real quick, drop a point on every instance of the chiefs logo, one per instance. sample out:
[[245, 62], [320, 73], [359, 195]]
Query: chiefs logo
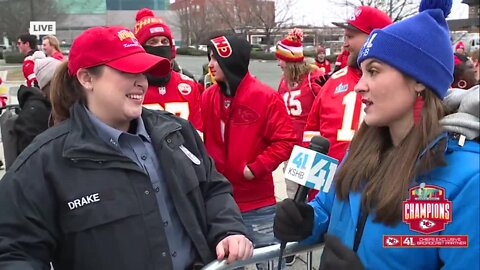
[[184, 89], [391, 241], [222, 46], [426, 224]]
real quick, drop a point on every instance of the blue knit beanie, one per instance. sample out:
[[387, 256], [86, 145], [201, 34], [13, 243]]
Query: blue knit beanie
[[418, 46]]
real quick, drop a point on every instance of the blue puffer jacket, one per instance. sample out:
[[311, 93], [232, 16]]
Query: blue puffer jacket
[[461, 181]]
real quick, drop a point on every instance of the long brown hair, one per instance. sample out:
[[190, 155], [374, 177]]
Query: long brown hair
[[383, 172], [65, 90], [294, 72]]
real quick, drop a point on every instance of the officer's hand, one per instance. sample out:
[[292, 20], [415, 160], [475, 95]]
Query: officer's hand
[[234, 247], [322, 79], [337, 256], [293, 221], [247, 173]]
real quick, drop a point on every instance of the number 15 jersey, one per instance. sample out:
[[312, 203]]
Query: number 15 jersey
[[337, 112], [299, 100]]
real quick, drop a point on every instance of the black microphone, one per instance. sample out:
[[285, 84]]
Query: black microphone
[[318, 144]]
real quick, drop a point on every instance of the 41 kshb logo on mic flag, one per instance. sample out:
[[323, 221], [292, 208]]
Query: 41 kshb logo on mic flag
[[311, 169]]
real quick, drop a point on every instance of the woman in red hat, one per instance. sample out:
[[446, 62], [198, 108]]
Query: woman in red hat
[[113, 185]]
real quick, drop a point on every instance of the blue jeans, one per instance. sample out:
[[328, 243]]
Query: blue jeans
[[259, 223]]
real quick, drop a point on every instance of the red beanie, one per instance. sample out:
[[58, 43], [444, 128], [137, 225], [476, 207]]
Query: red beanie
[[460, 45], [290, 49], [320, 49], [148, 26]]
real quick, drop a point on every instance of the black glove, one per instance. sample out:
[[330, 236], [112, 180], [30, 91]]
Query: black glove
[[337, 256], [293, 221], [322, 79]]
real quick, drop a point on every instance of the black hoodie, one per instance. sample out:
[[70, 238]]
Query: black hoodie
[[233, 55], [33, 117]]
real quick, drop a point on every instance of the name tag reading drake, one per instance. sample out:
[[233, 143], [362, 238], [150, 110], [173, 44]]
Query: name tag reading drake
[[92, 198]]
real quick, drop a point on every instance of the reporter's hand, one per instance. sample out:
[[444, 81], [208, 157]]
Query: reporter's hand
[[247, 173], [234, 247], [338, 256], [293, 221]]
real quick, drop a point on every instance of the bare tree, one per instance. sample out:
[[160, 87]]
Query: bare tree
[[242, 15], [15, 15], [195, 22], [260, 17], [396, 9], [227, 14]]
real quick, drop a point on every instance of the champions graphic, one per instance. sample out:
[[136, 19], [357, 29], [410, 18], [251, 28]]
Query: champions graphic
[[427, 211]]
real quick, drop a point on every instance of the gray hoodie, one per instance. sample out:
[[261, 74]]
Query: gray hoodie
[[466, 117]]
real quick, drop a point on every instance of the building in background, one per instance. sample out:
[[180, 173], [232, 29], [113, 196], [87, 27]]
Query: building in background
[[467, 30], [76, 16]]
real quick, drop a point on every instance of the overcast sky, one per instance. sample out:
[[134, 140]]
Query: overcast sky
[[323, 12]]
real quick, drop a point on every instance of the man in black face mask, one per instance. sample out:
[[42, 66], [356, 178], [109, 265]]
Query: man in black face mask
[[175, 92]]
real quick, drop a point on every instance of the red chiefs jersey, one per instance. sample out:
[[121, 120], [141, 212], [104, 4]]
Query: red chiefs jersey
[[325, 66], [252, 128], [179, 96], [299, 100], [27, 68], [337, 112]]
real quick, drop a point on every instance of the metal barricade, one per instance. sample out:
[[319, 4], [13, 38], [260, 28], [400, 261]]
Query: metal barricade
[[268, 254]]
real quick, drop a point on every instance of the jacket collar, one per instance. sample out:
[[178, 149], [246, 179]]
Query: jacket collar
[[83, 142]]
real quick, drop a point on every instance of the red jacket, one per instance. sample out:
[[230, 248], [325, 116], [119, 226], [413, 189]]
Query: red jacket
[[299, 100], [27, 68], [252, 128], [180, 96]]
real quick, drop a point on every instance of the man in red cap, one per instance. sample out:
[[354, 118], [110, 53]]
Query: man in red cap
[[322, 62], [175, 92], [337, 111]]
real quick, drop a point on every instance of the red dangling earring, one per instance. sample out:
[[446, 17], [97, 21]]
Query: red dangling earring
[[417, 109]]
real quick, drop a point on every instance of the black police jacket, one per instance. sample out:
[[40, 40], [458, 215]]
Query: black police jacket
[[117, 224]]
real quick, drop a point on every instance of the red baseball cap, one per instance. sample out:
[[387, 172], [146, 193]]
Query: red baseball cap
[[116, 47], [366, 19]]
